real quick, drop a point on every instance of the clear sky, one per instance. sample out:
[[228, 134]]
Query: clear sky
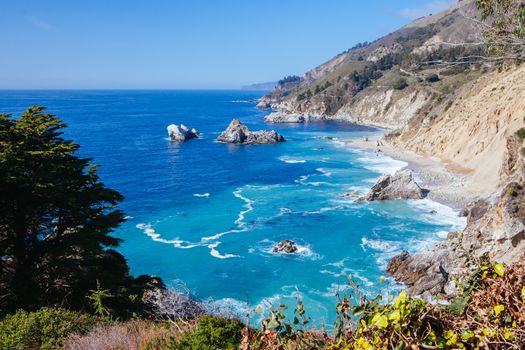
[[184, 43]]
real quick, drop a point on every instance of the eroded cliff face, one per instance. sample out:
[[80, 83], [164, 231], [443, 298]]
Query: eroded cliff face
[[470, 130], [474, 130], [381, 107], [386, 108]]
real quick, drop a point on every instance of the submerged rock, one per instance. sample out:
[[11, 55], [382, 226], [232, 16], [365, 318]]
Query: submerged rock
[[239, 133], [181, 133], [286, 246], [401, 185]]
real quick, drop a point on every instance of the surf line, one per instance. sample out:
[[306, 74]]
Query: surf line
[[242, 227], [207, 241]]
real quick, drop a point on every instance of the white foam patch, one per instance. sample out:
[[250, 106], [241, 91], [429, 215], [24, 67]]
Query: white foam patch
[[291, 160], [226, 307], [325, 172], [438, 214], [303, 250], [303, 181], [339, 263], [380, 163], [378, 244], [201, 195], [177, 243], [215, 253]]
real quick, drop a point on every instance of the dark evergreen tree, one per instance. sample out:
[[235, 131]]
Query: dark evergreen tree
[[55, 222]]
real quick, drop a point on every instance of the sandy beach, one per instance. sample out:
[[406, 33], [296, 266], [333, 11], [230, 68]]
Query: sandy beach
[[447, 185]]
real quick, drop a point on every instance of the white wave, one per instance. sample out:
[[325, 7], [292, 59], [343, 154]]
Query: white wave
[[201, 195], [248, 207], [127, 217], [442, 234], [339, 263], [439, 214], [378, 162], [344, 272], [291, 161], [177, 243], [286, 211], [215, 253], [302, 179], [318, 183], [226, 307], [324, 172], [378, 244], [307, 252]]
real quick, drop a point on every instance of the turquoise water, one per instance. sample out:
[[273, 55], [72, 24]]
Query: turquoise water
[[206, 214]]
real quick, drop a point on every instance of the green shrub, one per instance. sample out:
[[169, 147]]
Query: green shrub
[[521, 133], [45, 329], [213, 333], [400, 84]]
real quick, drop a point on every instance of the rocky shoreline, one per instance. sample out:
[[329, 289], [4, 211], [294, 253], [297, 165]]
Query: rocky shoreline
[[495, 220]]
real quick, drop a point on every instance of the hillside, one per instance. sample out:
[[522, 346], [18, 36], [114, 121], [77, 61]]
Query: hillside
[[362, 84]]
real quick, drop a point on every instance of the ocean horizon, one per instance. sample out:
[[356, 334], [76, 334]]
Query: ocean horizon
[[205, 215]]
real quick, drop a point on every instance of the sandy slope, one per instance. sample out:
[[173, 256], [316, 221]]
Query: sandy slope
[[471, 135]]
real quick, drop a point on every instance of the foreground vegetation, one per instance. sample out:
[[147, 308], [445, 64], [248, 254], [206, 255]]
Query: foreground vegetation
[[488, 313]]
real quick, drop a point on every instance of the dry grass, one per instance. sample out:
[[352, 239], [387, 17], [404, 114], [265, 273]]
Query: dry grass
[[123, 336]]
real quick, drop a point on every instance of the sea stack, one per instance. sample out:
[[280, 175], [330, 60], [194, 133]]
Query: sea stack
[[238, 133], [181, 133]]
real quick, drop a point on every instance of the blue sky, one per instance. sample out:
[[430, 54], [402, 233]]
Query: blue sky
[[184, 43]]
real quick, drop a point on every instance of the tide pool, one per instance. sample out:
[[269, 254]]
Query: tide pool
[[207, 214]]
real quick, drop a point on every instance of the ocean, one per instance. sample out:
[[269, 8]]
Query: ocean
[[205, 215]]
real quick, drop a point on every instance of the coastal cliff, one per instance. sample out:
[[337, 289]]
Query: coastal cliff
[[479, 135], [464, 116]]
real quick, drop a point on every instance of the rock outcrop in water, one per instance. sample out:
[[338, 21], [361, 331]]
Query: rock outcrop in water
[[286, 246], [239, 133], [181, 133], [401, 185]]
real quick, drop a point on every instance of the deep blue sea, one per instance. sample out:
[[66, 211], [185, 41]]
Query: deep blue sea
[[206, 214]]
